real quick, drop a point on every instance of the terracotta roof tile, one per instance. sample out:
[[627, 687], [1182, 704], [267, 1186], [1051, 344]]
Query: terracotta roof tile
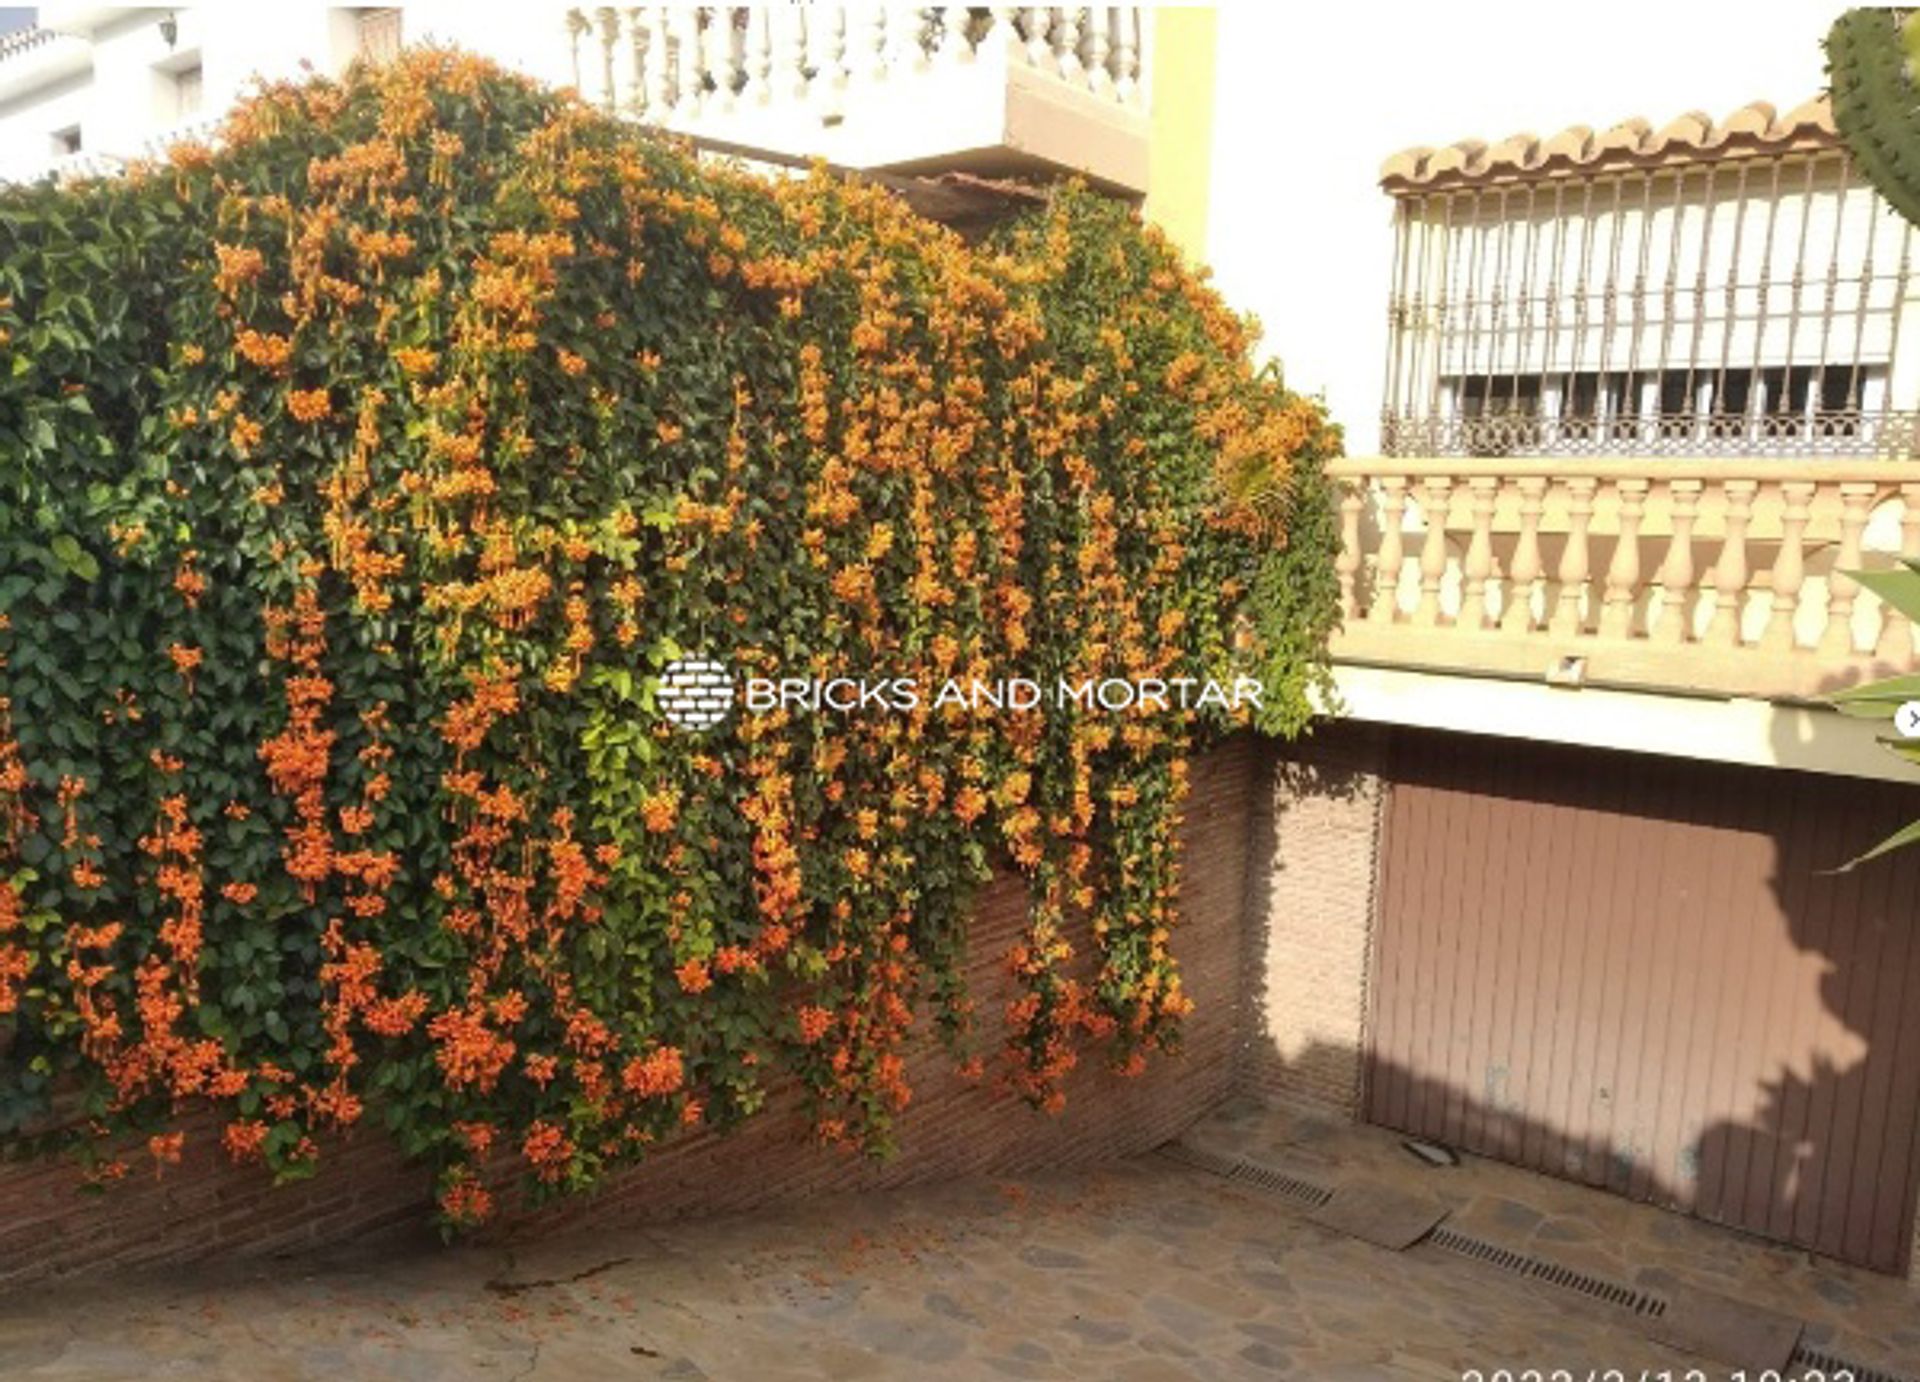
[[1753, 129]]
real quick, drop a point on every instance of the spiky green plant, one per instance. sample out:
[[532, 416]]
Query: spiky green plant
[[1872, 58]]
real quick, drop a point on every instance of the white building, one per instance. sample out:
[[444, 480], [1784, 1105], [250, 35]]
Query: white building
[[1005, 91]]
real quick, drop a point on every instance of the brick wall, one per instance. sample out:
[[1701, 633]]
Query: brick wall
[[1310, 918], [203, 1207]]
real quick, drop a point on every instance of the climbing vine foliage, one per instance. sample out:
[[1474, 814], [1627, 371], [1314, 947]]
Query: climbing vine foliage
[[358, 479]]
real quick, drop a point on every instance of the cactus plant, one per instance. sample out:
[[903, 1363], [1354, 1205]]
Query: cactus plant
[[1873, 56]]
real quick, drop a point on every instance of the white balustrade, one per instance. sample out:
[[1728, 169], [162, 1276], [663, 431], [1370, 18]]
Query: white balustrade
[[1896, 642], [1527, 569], [1842, 589], [1759, 550], [1347, 564], [681, 66], [1478, 566], [1437, 495], [1623, 572], [1789, 567], [1570, 612], [1675, 621], [1386, 571], [1731, 573]]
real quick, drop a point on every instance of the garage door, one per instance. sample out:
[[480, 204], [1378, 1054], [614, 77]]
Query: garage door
[[1632, 972]]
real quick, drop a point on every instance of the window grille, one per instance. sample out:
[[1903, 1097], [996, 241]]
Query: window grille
[[380, 34], [1749, 306], [188, 89]]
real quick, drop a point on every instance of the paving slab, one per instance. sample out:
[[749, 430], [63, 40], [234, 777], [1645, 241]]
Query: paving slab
[[1736, 1332], [1379, 1214], [1149, 1269]]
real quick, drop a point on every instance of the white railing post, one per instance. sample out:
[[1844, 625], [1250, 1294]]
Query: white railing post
[[1437, 498], [1478, 563], [1386, 566], [873, 66], [1623, 571], [1516, 616], [1347, 564], [1066, 46], [604, 88], [1897, 642], [661, 88], [1569, 615], [1100, 49], [760, 52], [1036, 23], [576, 26], [1675, 622], [709, 84], [1789, 568], [1730, 573], [1836, 639], [1126, 53]]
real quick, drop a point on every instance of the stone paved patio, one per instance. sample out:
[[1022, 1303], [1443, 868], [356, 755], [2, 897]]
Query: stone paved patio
[[1146, 1270]]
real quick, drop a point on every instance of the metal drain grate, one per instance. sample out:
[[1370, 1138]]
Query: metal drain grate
[[1249, 1173], [1835, 1366], [1643, 1303]]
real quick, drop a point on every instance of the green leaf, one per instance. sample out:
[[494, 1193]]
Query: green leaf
[[1907, 835], [1876, 700], [1900, 587]]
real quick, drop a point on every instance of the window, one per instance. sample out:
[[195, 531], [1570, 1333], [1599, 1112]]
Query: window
[[380, 34], [1746, 306], [184, 91]]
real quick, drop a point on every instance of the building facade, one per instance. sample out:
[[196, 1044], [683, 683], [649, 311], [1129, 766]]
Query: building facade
[[985, 92], [1626, 401]]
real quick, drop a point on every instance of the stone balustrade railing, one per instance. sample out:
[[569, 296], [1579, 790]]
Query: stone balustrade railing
[[1726, 576], [21, 41], [673, 63], [94, 163], [998, 91]]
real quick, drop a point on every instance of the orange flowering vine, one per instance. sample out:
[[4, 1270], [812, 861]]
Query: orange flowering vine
[[446, 453]]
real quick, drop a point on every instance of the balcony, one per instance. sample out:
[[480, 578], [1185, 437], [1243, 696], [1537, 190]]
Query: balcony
[[100, 163], [991, 92], [38, 55], [1718, 576]]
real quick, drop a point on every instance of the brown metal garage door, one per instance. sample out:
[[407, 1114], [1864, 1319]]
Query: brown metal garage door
[[1630, 971]]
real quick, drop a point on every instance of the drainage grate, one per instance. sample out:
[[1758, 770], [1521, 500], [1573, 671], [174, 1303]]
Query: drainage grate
[[1643, 1303], [1249, 1173], [1834, 1366]]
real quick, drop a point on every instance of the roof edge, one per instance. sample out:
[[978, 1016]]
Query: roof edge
[[1754, 130]]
